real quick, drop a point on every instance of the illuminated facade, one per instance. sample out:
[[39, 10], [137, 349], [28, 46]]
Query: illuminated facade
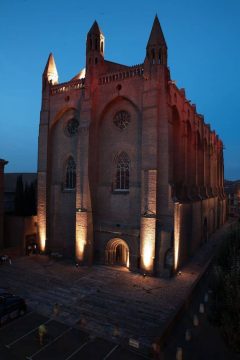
[[128, 171]]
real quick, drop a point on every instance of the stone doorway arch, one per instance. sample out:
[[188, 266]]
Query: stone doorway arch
[[117, 252]]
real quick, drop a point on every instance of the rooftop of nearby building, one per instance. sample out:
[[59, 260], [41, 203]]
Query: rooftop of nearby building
[[231, 186]]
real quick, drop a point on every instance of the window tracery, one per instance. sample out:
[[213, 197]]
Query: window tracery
[[121, 119], [122, 172], [70, 181], [71, 127]]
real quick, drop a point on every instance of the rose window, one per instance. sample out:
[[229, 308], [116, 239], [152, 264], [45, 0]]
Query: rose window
[[72, 127], [122, 119]]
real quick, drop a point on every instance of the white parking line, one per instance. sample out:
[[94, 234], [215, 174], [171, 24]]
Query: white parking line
[[76, 351], [15, 341], [50, 343], [15, 320], [110, 352]]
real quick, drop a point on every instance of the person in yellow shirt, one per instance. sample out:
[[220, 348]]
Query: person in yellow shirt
[[42, 332]]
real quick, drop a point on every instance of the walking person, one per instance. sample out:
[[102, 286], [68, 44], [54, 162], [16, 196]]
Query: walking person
[[56, 309], [42, 332]]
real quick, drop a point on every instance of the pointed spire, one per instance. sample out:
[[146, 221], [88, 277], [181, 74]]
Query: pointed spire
[[95, 29], [156, 37], [94, 45], [50, 71], [156, 47]]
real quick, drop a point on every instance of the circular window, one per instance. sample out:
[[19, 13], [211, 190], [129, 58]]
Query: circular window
[[72, 127], [121, 119]]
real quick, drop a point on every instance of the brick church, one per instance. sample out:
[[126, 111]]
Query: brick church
[[128, 172]]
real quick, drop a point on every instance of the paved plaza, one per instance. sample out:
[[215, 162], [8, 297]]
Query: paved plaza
[[19, 340], [109, 303]]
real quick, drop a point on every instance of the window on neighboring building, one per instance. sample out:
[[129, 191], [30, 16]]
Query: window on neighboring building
[[122, 172], [70, 182]]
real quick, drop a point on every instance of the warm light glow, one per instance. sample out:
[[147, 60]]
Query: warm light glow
[[41, 211], [42, 237], [52, 73], [81, 234], [111, 250], [82, 74], [148, 227], [147, 254], [177, 222], [127, 259]]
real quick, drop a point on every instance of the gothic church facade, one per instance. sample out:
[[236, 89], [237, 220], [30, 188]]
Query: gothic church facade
[[128, 171]]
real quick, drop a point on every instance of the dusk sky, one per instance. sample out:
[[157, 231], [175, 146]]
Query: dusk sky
[[203, 40]]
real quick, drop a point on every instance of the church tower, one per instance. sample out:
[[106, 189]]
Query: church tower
[[94, 46], [49, 78], [156, 53]]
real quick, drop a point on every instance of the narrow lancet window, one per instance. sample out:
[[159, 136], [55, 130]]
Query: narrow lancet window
[[153, 56], [70, 182], [122, 172], [159, 56]]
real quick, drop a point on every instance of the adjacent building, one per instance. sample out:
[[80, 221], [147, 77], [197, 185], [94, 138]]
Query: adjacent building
[[232, 190], [128, 172]]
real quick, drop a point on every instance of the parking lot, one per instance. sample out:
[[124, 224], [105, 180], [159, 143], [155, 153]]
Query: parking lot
[[19, 340], [101, 308]]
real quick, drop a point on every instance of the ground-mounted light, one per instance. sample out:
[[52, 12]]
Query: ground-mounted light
[[148, 230], [177, 224], [81, 234]]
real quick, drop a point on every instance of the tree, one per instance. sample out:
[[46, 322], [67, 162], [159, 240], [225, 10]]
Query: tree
[[225, 299], [25, 198], [19, 196]]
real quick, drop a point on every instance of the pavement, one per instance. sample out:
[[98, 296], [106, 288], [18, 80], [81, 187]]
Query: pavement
[[19, 340], [109, 304]]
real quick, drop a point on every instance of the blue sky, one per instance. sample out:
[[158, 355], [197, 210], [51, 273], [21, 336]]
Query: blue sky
[[203, 47]]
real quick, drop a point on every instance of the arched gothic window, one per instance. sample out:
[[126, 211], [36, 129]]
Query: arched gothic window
[[122, 173], [70, 182]]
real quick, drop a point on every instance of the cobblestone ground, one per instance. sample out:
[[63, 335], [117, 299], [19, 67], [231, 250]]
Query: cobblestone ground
[[105, 301]]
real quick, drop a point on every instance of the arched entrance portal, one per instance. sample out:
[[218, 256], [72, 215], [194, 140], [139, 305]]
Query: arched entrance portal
[[117, 252]]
